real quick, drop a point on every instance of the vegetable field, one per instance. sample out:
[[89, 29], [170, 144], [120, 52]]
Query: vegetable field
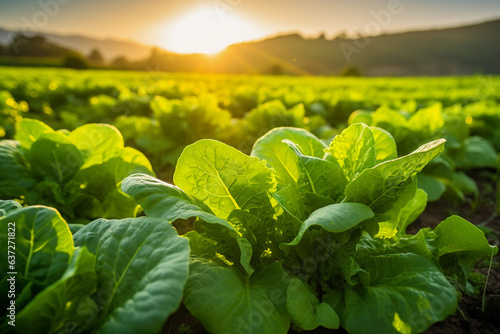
[[151, 202]]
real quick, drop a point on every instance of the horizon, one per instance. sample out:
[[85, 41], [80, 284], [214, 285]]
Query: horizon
[[193, 27], [276, 35]]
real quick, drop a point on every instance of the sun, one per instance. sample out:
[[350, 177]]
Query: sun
[[207, 30]]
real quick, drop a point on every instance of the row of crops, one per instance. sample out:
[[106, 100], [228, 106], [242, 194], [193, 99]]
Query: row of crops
[[280, 202], [160, 114]]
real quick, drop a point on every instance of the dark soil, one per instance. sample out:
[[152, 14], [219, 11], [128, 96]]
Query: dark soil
[[182, 322], [469, 318], [482, 213]]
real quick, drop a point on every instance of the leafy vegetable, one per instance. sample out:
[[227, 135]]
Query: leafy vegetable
[[64, 303], [79, 173], [254, 304], [141, 268], [405, 293], [311, 234], [125, 275], [462, 152], [225, 179]]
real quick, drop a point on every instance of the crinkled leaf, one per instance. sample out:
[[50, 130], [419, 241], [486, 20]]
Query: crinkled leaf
[[423, 243], [217, 247], [249, 226], [162, 200], [351, 271], [278, 156], [225, 179], [379, 186], [7, 206], [289, 199], [354, 149], [319, 176]]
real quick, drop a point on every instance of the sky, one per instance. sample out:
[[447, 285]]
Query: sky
[[210, 25]]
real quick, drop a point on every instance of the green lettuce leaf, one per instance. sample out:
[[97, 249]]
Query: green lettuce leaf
[[278, 156], [96, 142], [410, 212], [159, 199], [7, 206], [225, 179], [306, 311], [389, 221], [354, 149], [456, 236], [29, 130], [385, 145], [431, 185], [406, 293], [44, 244], [478, 153], [321, 177], [227, 302], [64, 304], [77, 172], [163, 200], [56, 158], [378, 186], [335, 218], [15, 178], [141, 266], [427, 121]]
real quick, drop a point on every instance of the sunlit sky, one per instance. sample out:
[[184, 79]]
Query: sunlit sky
[[209, 25]]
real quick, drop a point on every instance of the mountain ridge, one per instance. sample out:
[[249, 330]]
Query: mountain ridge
[[462, 50], [109, 47]]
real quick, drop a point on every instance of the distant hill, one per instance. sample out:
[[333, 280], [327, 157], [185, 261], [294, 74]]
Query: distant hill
[[455, 51], [36, 47], [464, 50], [110, 48]]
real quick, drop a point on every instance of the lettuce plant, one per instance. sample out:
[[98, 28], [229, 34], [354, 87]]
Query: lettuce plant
[[174, 124], [112, 276], [463, 152], [10, 113], [313, 235], [79, 172]]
